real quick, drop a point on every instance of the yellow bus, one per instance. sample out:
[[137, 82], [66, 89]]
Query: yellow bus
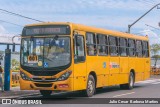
[[71, 57]]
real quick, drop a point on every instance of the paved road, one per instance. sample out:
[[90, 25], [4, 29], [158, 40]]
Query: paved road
[[143, 89]]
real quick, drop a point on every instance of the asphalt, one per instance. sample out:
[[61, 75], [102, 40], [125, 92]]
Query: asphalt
[[143, 89]]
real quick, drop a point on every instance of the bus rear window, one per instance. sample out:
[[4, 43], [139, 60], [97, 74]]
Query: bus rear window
[[46, 30]]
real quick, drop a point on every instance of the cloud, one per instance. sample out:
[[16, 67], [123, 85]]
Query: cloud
[[2, 29], [112, 14], [153, 36]]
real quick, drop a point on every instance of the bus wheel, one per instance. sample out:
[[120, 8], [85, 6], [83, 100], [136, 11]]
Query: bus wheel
[[90, 89], [45, 93], [130, 84]]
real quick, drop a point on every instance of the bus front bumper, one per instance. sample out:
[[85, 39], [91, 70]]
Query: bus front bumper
[[66, 85]]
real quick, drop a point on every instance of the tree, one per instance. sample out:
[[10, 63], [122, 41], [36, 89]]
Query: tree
[[155, 48], [15, 64]]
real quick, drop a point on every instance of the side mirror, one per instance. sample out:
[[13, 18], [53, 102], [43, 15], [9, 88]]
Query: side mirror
[[76, 40]]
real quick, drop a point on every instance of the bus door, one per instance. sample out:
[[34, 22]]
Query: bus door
[[79, 61], [114, 63]]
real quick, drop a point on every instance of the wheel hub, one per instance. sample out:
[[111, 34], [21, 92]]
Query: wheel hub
[[90, 86]]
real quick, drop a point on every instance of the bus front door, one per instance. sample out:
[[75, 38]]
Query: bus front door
[[79, 61]]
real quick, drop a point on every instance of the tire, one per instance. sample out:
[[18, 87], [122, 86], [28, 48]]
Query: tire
[[130, 83], [90, 89], [45, 93]]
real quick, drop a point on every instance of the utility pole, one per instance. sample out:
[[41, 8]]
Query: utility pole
[[130, 25]]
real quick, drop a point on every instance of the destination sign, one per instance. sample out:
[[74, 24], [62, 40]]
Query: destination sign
[[46, 30]]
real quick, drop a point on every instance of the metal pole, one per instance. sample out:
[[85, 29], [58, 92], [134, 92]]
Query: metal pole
[[129, 26], [152, 27], [7, 64]]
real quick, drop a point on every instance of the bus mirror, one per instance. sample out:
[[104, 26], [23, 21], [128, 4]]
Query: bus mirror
[[56, 37], [13, 48], [77, 40], [31, 39]]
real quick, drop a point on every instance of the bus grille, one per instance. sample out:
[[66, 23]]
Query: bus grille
[[43, 85], [45, 80]]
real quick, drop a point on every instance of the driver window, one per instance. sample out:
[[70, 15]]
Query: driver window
[[79, 49]]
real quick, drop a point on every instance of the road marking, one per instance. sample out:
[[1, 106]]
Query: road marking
[[123, 94], [156, 83], [149, 81]]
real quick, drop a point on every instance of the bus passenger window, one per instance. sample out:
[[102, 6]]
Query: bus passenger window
[[123, 46], [102, 46], [113, 46], [91, 44], [145, 49], [139, 48], [131, 47]]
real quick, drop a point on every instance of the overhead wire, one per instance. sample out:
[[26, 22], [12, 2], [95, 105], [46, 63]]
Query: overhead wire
[[19, 15]]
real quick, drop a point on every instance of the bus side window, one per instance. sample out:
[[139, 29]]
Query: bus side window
[[91, 44], [113, 46], [145, 49], [123, 46], [102, 45], [139, 48], [79, 49], [131, 47]]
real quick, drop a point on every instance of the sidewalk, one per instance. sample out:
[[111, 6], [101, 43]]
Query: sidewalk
[[16, 92], [155, 76]]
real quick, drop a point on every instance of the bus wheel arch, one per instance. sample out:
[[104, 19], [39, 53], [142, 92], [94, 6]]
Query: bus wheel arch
[[134, 74], [91, 84], [95, 77]]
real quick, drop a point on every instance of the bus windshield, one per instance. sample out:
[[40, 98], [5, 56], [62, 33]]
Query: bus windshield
[[45, 52]]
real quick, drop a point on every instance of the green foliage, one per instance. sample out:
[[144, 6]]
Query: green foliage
[[15, 64], [155, 49]]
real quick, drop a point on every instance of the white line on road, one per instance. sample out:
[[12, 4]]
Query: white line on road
[[149, 81], [156, 83], [123, 94]]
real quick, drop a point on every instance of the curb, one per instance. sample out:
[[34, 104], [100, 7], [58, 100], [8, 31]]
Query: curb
[[18, 96]]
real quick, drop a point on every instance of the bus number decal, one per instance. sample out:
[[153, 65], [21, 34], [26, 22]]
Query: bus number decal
[[104, 64], [32, 59]]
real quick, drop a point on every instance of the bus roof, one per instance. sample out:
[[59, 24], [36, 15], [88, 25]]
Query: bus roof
[[92, 29]]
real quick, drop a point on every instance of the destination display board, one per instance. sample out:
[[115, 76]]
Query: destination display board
[[46, 30]]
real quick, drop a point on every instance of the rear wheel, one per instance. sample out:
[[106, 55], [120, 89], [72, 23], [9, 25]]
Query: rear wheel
[[90, 89], [45, 93], [130, 84]]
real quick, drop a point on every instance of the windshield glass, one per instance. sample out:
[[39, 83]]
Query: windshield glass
[[45, 52]]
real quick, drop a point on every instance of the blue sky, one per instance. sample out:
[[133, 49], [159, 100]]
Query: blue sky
[[108, 14]]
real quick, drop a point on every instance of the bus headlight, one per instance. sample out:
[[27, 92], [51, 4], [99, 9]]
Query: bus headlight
[[65, 75], [24, 76]]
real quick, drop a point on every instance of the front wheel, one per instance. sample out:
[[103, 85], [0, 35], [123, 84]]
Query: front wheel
[[90, 89], [45, 93]]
